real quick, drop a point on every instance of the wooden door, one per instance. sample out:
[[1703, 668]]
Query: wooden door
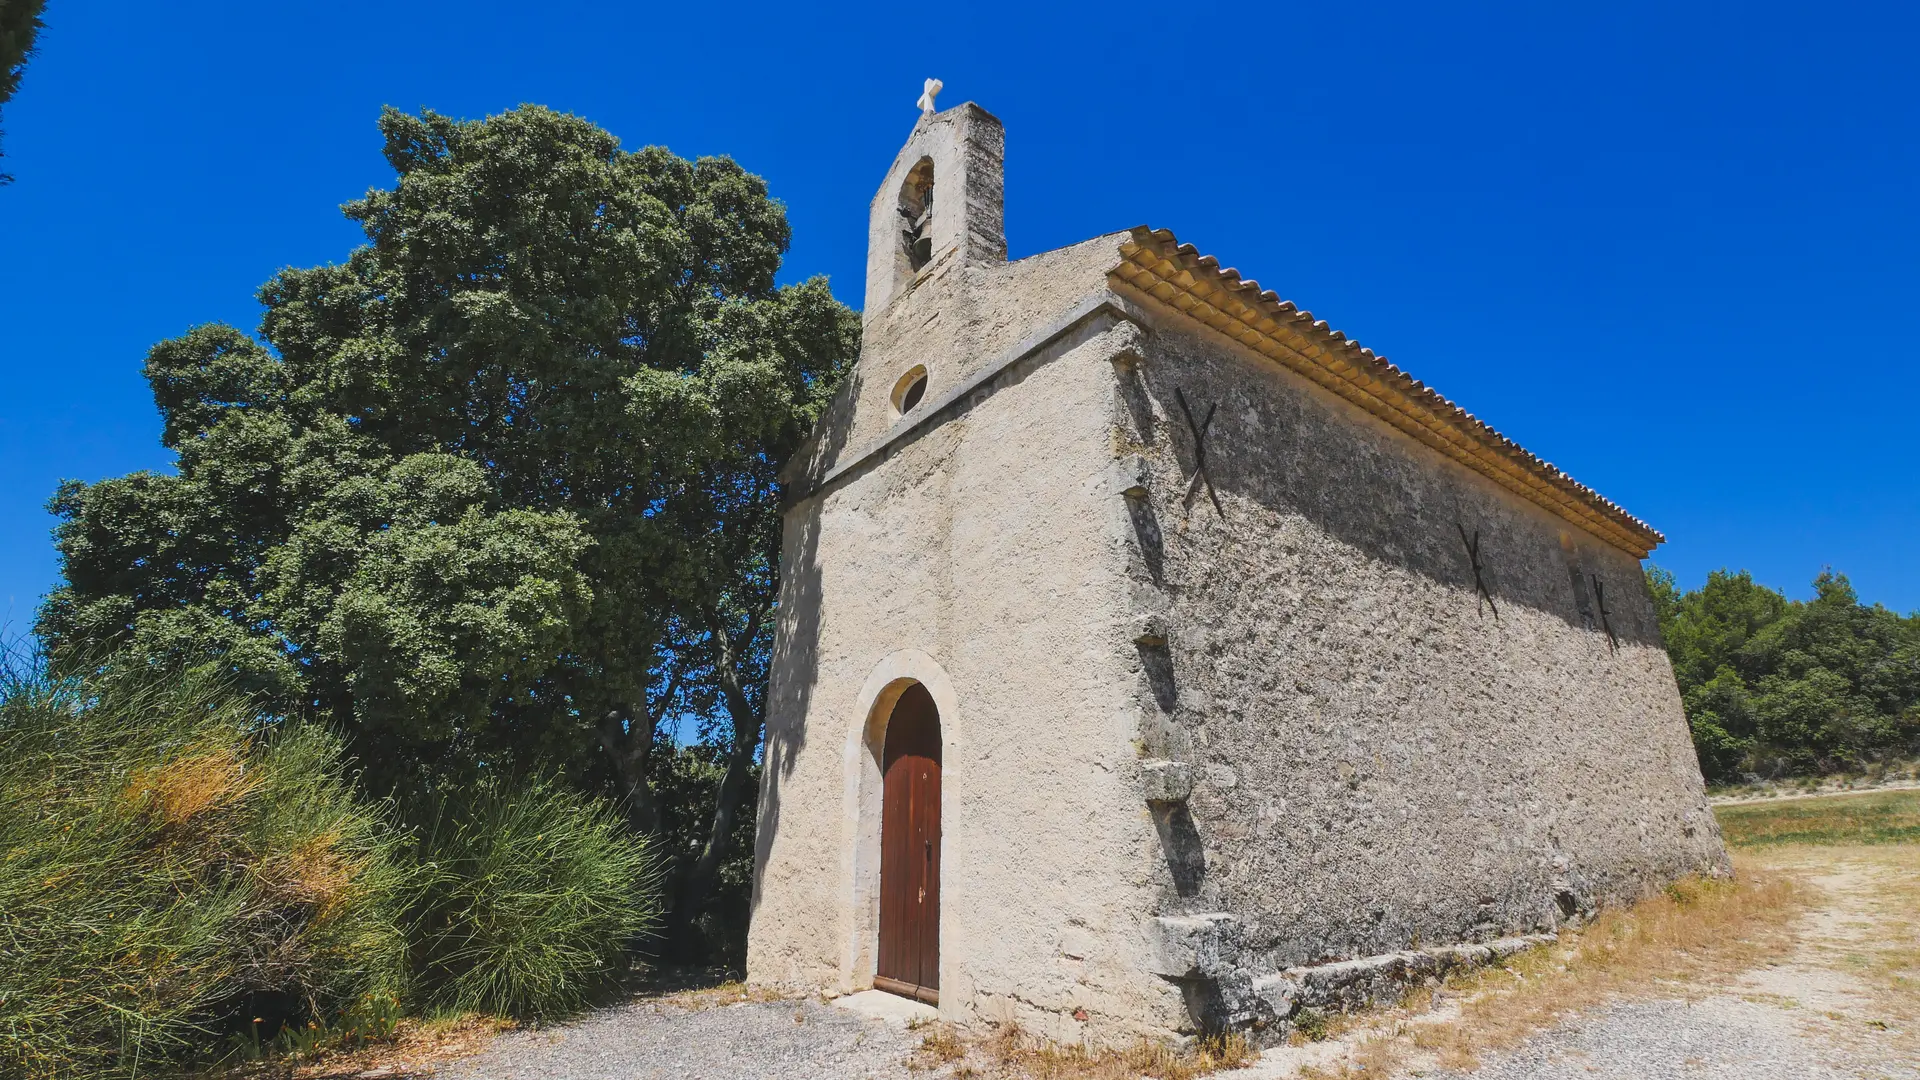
[[909, 961]]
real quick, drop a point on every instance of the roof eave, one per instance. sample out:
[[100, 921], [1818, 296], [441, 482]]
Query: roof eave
[[1155, 264]]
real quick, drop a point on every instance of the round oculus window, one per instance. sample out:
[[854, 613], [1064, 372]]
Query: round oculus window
[[909, 390]]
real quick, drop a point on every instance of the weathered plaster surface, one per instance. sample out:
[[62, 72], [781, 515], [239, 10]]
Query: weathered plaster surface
[[1377, 760], [955, 322], [985, 546]]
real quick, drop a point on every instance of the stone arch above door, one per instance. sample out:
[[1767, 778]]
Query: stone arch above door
[[865, 748], [910, 852]]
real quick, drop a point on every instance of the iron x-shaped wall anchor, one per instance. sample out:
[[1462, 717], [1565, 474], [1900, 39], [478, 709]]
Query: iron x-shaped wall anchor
[[1199, 455], [1600, 595], [1473, 556]]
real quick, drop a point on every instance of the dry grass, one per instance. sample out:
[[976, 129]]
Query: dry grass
[[1847, 859], [1697, 930], [315, 873], [1895, 964], [416, 1047], [1012, 1054], [731, 992], [1881, 817], [939, 1046], [187, 787]]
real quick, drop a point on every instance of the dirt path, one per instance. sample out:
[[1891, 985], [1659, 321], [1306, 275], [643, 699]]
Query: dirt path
[[1854, 975], [1791, 794]]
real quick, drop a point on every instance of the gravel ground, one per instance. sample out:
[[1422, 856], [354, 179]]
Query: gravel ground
[[1720, 1038], [790, 1040], [1812, 1013]]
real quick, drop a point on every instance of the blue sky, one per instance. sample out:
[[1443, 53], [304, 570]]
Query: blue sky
[[1673, 248]]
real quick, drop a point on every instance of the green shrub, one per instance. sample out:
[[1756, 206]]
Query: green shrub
[[529, 898], [171, 869], [181, 879]]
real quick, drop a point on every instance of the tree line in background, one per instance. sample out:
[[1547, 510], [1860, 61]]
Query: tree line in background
[[1776, 687]]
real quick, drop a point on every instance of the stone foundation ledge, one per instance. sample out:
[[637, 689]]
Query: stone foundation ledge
[[1374, 980], [1228, 987]]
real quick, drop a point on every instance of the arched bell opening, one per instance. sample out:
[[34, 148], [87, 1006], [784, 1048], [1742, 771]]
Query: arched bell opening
[[916, 215]]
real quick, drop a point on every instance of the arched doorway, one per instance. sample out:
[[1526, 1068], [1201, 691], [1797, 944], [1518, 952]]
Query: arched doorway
[[909, 960]]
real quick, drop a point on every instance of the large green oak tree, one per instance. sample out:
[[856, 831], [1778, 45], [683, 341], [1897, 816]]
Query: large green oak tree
[[498, 491]]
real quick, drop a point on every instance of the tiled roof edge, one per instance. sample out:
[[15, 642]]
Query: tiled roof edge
[[1155, 263]]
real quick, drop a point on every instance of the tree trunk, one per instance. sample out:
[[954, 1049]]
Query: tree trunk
[[747, 723], [627, 736], [726, 814]]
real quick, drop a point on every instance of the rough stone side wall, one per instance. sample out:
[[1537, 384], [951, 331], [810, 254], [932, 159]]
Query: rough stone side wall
[[1376, 762], [993, 543]]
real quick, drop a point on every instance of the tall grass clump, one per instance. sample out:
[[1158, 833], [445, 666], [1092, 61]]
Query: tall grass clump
[[530, 897], [174, 872]]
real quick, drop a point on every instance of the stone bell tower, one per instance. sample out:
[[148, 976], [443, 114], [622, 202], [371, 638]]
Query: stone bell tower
[[940, 205]]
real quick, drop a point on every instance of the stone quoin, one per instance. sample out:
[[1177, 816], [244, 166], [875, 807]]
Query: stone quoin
[[1152, 659]]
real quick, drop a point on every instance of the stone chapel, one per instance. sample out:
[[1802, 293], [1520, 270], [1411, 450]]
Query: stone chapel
[[1154, 659]]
